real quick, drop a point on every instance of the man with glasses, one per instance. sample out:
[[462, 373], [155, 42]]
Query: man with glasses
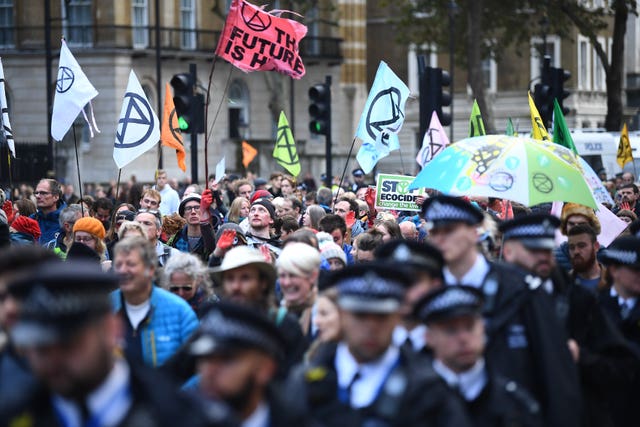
[[196, 237], [150, 199], [48, 214], [152, 225]]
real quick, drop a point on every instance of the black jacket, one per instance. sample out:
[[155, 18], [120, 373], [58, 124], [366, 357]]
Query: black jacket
[[156, 403], [527, 344], [413, 395]]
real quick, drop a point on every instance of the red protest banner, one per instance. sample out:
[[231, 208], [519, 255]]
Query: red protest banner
[[254, 40]]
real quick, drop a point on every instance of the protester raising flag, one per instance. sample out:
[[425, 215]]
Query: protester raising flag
[[254, 40], [382, 118], [624, 155], [248, 154], [73, 92], [6, 124], [435, 140], [561, 133], [285, 151], [538, 129], [476, 124], [138, 126], [171, 136]]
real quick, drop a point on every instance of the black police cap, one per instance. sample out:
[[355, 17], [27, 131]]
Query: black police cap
[[622, 251], [59, 299], [449, 302], [536, 231], [442, 210], [416, 255]]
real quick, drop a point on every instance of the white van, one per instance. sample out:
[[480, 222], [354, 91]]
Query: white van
[[598, 148]]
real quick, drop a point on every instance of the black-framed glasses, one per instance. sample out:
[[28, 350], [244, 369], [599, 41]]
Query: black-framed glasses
[[153, 212], [191, 208], [185, 288]]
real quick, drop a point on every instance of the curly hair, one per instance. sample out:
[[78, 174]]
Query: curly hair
[[191, 266]]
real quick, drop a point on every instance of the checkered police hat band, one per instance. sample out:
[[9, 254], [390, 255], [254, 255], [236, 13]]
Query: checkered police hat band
[[444, 212], [223, 328], [449, 299], [372, 286], [624, 257], [530, 230]]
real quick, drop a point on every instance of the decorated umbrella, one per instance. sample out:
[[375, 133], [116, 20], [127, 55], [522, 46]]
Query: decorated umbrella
[[597, 188], [521, 169]]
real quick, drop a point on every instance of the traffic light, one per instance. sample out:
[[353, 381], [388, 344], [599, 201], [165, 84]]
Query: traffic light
[[320, 109], [542, 93], [558, 77], [432, 96], [189, 105]]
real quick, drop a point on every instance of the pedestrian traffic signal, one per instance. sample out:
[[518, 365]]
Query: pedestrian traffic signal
[[320, 109], [432, 95], [558, 77], [189, 105]]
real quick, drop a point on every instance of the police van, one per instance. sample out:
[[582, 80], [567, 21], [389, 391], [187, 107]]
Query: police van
[[599, 148]]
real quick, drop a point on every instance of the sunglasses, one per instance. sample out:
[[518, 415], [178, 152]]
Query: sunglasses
[[180, 288], [153, 212]]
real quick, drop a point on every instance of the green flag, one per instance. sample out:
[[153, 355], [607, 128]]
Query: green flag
[[511, 130], [476, 125], [285, 151], [561, 134]]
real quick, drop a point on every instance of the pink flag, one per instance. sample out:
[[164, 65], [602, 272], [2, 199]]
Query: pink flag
[[435, 140], [254, 40]]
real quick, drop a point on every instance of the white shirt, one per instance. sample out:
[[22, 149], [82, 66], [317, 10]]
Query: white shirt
[[372, 375], [137, 313], [259, 417], [160, 252], [417, 336], [108, 404], [470, 383], [474, 277], [629, 302], [170, 200]]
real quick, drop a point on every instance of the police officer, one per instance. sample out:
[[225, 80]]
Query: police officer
[[238, 351], [621, 303], [424, 264], [366, 380], [69, 335], [595, 345], [525, 340], [456, 333]]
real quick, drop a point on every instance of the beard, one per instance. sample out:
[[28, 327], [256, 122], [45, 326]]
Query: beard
[[581, 265], [238, 400]]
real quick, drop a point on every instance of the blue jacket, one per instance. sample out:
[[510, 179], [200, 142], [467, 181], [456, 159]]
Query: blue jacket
[[49, 224], [169, 324]]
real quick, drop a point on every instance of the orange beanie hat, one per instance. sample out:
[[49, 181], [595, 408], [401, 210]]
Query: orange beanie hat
[[91, 226]]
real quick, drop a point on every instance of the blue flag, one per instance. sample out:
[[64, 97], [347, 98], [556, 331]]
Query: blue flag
[[382, 118]]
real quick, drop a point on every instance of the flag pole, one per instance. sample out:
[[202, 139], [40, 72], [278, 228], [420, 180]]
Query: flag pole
[[344, 171], [118, 185], [206, 118], [75, 144], [215, 118], [401, 160]]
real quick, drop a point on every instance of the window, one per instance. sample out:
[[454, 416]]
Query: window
[[490, 74], [6, 23], [537, 52], [140, 23], [312, 41], [79, 23], [584, 64], [599, 77], [238, 105], [188, 24]]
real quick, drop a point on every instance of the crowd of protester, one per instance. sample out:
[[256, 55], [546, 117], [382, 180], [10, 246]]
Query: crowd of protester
[[280, 302]]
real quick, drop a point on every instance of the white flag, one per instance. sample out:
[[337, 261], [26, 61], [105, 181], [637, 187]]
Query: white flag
[[382, 118], [138, 126], [220, 168], [435, 140], [6, 124], [73, 92]]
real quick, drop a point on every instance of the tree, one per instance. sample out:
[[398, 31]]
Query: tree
[[487, 28]]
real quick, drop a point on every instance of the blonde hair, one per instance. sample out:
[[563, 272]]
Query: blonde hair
[[130, 225], [234, 209], [299, 259]]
